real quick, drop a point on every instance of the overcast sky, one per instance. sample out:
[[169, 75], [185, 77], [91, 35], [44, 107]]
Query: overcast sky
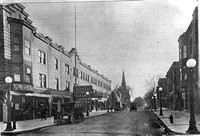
[[139, 37]]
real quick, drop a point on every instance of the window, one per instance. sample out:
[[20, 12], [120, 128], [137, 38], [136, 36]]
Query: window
[[27, 47], [28, 75], [81, 75], [16, 43], [42, 57], [16, 71], [184, 51], [17, 77], [76, 72], [56, 63], [180, 54], [180, 75], [42, 80], [88, 78], [57, 84], [66, 68], [67, 86], [185, 76]]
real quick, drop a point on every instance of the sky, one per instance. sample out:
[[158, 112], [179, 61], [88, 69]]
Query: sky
[[139, 37]]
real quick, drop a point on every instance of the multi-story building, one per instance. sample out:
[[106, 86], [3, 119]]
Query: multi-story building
[[162, 95], [172, 86], [43, 72], [188, 48]]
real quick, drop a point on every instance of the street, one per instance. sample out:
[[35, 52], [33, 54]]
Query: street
[[113, 123]]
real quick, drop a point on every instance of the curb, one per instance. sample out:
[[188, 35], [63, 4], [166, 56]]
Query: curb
[[14, 133], [167, 130]]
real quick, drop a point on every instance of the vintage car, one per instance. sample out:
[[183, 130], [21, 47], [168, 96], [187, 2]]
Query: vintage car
[[133, 107]]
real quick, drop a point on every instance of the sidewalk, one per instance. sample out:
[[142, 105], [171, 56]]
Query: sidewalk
[[181, 120], [36, 124]]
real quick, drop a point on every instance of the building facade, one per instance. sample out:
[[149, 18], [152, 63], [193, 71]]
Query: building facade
[[188, 48], [172, 86], [162, 95], [43, 72], [124, 92]]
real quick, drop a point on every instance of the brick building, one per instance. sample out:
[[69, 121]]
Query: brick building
[[188, 48], [43, 72], [162, 82], [173, 97]]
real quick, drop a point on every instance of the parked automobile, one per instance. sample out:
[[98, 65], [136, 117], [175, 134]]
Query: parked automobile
[[133, 107]]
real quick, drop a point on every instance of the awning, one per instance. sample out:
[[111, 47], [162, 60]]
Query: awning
[[16, 93], [94, 98], [57, 93], [103, 100], [38, 95]]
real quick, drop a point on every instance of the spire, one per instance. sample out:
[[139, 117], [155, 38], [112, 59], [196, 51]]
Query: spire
[[123, 80]]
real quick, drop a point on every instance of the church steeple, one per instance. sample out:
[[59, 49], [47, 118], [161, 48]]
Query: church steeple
[[123, 80]]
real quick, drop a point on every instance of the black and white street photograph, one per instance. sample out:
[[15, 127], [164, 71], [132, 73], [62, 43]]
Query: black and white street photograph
[[99, 68]]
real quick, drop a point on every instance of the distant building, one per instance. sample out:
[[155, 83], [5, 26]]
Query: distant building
[[173, 97], [162, 82], [123, 90]]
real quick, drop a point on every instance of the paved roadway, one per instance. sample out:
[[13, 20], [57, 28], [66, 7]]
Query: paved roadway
[[124, 123]]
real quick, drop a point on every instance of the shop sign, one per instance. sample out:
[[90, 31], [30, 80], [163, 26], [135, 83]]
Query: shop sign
[[80, 91], [22, 87], [5, 113]]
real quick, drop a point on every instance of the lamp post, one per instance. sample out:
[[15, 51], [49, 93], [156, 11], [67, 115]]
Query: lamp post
[[160, 90], [87, 114], [191, 63], [155, 101], [152, 102], [8, 80], [107, 103]]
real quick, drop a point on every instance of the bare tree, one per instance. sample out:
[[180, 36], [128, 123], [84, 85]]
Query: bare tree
[[131, 91], [151, 89]]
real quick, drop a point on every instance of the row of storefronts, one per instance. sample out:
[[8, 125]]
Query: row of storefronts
[[43, 72], [29, 105]]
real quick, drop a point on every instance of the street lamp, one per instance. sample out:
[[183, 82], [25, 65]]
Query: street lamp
[[154, 101], [8, 80], [191, 63], [160, 90], [87, 93], [107, 103]]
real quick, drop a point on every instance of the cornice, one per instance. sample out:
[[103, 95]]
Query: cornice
[[23, 22]]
